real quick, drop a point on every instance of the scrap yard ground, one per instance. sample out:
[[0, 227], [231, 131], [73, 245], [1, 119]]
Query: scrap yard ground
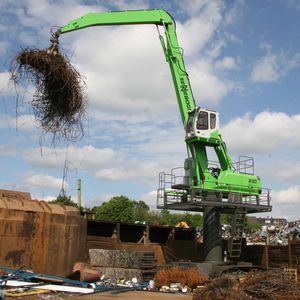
[[108, 296], [137, 296]]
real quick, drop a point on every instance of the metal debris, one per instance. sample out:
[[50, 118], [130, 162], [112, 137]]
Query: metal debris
[[277, 234], [256, 285], [24, 283]]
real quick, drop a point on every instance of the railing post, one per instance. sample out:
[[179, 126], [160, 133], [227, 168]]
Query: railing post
[[267, 251], [290, 250]]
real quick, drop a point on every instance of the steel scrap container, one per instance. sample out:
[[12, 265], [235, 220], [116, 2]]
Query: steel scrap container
[[46, 238]]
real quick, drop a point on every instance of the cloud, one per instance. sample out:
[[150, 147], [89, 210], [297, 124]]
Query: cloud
[[132, 169], [283, 171], [199, 29], [286, 203], [150, 199], [34, 19], [139, 134], [4, 82], [216, 48], [104, 163], [8, 150], [234, 12], [129, 75], [50, 12], [45, 198], [3, 47], [227, 63], [263, 133], [206, 24], [85, 158], [97, 201], [206, 85], [193, 8], [293, 4], [289, 196], [142, 161], [128, 4], [22, 122], [266, 69], [43, 181], [271, 67]]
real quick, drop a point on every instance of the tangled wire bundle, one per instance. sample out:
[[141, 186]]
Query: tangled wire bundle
[[217, 289], [257, 285], [59, 101], [186, 277]]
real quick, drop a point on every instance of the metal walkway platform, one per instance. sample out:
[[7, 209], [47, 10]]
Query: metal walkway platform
[[173, 193]]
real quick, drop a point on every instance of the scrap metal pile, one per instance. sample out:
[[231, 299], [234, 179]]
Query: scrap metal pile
[[124, 263], [270, 285], [18, 283], [278, 234], [59, 100], [177, 279]]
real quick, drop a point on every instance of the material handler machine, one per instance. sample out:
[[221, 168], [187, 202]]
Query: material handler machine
[[201, 186]]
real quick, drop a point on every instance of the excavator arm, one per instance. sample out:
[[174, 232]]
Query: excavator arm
[[201, 126], [169, 44]]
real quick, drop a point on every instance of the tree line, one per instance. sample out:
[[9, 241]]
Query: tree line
[[123, 209]]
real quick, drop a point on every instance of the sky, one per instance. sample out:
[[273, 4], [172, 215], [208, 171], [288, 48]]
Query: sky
[[243, 60]]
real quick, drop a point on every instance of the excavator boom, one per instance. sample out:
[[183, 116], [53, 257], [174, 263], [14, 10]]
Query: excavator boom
[[170, 45], [130, 17]]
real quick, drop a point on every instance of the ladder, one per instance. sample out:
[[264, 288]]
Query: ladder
[[236, 234]]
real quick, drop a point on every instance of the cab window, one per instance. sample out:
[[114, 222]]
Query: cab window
[[202, 122], [189, 124], [213, 121]]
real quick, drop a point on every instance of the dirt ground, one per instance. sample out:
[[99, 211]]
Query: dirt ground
[[136, 296]]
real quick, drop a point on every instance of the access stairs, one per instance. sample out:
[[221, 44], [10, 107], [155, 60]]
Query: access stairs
[[236, 233]]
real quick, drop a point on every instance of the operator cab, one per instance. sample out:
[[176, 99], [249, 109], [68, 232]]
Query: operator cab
[[201, 123]]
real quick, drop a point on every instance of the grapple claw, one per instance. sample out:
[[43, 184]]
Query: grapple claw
[[53, 49]]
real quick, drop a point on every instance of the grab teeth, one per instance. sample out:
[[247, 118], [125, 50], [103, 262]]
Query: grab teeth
[[53, 49]]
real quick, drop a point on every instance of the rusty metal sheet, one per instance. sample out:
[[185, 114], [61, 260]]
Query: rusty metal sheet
[[40, 236], [173, 248]]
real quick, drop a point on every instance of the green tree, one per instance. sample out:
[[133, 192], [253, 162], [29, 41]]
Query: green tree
[[122, 209], [140, 211], [165, 217], [193, 220], [249, 227], [64, 200], [226, 218], [154, 218], [118, 209]]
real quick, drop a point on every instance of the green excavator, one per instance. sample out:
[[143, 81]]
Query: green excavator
[[211, 188]]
